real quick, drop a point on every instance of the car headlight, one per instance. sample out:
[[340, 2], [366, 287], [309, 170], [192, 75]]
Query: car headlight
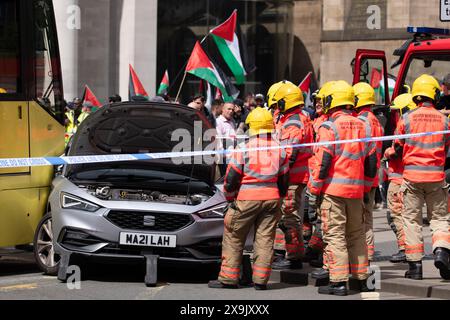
[[215, 212], [71, 202]]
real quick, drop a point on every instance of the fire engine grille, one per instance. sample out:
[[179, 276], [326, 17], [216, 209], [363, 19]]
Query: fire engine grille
[[134, 220]]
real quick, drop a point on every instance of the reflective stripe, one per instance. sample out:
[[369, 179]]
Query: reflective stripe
[[294, 123], [425, 145], [368, 129], [395, 175], [315, 184], [425, 168], [259, 185], [354, 156], [346, 181], [259, 176]]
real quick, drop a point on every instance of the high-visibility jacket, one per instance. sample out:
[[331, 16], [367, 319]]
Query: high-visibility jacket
[[71, 125], [318, 122], [395, 166], [293, 128], [423, 157], [83, 117], [343, 170], [376, 130], [257, 174]]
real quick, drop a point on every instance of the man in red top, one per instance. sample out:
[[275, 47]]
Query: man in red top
[[364, 102], [424, 178], [255, 182], [344, 173], [293, 127]]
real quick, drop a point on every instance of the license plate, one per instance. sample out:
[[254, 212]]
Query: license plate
[[148, 240]]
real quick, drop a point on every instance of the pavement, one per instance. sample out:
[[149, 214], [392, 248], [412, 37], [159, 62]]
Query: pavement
[[392, 278], [20, 279]]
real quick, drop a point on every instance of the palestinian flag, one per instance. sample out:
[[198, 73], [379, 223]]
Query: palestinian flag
[[135, 86], [89, 96], [227, 42], [375, 78], [307, 87], [201, 66], [218, 94], [164, 86]]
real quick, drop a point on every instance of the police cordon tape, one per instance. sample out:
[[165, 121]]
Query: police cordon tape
[[56, 161]]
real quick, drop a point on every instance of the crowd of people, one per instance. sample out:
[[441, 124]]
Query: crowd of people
[[264, 185]]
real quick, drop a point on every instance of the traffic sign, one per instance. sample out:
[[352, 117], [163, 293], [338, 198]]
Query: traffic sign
[[445, 10]]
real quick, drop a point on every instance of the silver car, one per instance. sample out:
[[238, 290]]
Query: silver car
[[136, 210]]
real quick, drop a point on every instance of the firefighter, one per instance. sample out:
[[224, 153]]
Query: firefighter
[[293, 127], [424, 178], [255, 182], [316, 245], [364, 102], [344, 173], [402, 104]]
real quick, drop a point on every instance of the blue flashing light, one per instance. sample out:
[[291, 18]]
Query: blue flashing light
[[432, 31]]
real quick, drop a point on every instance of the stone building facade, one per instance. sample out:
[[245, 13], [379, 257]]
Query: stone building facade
[[287, 38]]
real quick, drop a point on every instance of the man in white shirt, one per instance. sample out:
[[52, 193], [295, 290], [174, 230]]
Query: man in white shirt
[[226, 129]]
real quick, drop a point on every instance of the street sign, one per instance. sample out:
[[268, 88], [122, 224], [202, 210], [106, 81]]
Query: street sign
[[445, 10]]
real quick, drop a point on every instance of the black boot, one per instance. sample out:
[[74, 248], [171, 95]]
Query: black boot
[[317, 263], [335, 288], [320, 274], [260, 286], [363, 286], [286, 264], [398, 257], [442, 262], [216, 284], [415, 270]]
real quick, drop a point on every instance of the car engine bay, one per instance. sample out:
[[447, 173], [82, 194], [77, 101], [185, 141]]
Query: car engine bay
[[122, 194]]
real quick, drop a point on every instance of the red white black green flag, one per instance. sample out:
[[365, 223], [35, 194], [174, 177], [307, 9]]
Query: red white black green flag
[[201, 66], [164, 86], [227, 42], [135, 86]]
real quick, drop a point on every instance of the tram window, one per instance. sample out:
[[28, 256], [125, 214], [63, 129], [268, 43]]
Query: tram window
[[45, 57], [9, 47]]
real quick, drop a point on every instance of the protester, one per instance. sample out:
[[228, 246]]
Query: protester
[[114, 99], [259, 101], [444, 102], [216, 108], [198, 103], [226, 130], [240, 115]]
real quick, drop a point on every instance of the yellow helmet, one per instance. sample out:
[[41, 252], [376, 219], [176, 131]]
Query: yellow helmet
[[339, 94], [272, 90], [426, 86], [3, 91], [364, 95], [260, 121], [403, 103], [287, 97]]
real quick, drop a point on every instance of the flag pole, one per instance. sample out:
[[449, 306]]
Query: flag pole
[[181, 86]]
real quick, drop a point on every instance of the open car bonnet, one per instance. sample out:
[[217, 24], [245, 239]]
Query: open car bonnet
[[144, 127]]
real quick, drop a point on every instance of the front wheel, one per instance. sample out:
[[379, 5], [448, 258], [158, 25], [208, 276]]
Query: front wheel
[[44, 253]]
